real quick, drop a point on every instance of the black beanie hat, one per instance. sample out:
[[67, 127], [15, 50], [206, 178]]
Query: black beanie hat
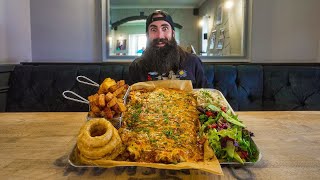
[[166, 17]]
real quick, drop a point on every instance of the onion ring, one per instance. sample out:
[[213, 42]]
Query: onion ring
[[100, 152], [95, 133], [114, 154]]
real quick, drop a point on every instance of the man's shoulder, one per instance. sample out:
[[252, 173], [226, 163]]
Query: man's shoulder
[[193, 58], [136, 61]]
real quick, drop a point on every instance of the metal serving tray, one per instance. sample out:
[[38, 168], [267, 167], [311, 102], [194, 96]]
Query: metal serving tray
[[73, 160]]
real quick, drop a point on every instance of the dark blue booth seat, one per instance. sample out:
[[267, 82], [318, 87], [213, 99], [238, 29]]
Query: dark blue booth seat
[[291, 88], [246, 87], [242, 85], [39, 88]]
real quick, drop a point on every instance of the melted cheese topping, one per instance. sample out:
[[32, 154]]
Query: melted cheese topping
[[161, 126]]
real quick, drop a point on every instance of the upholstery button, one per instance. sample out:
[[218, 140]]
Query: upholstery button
[[237, 82], [303, 103], [288, 83]]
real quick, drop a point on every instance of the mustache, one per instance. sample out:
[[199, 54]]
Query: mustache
[[158, 40]]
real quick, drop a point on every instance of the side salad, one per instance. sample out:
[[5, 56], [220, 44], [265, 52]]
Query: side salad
[[227, 135]]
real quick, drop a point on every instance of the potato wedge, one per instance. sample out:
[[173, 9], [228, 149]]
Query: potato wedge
[[112, 102]]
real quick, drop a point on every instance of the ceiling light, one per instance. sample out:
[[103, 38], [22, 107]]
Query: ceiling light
[[228, 5], [201, 23]]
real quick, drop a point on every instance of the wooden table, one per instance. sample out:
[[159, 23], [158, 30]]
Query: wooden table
[[36, 146]]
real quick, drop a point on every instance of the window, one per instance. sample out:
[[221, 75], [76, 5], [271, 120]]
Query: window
[[127, 18], [137, 44]]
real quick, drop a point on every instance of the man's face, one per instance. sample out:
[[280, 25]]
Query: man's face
[[161, 31]]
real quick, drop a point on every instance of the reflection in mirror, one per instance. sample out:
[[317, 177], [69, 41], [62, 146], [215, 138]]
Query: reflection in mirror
[[204, 27]]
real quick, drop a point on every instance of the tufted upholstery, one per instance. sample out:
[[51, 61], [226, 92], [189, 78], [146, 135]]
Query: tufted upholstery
[[246, 87], [241, 85], [291, 88], [39, 88]]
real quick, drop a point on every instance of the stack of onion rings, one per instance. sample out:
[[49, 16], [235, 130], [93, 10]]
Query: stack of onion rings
[[97, 140]]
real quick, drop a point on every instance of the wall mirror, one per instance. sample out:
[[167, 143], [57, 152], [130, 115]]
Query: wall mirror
[[208, 28]]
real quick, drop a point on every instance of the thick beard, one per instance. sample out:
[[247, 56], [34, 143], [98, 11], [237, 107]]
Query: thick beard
[[161, 59]]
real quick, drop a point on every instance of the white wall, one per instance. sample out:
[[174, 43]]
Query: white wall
[[286, 31], [15, 31], [3, 39], [65, 30]]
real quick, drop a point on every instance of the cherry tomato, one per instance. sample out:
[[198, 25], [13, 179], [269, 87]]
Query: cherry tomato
[[209, 114], [212, 126], [244, 154], [224, 109]]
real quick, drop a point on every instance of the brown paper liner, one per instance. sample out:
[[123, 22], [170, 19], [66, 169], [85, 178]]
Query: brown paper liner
[[211, 166], [184, 85]]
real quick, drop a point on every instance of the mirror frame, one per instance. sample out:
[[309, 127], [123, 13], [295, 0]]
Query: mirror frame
[[246, 42]]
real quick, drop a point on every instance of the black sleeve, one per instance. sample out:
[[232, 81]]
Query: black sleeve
[[201, 79], [134, 73]]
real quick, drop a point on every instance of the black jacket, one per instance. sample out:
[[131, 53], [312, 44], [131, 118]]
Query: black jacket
[[190, 69]]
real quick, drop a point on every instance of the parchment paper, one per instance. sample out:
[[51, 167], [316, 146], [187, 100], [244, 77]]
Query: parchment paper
[[184, 85], [211, 166]]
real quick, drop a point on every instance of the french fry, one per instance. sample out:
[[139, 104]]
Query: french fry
[[102, 102], [118, 91], [115, 107], [121, 106], [112, 102], [121, 83], [108, 101], [108, 113], [101, 91], [113, 88], [107, 83], [96, 99], [91, 98], [121, 95], [94, 108], [109, 96]]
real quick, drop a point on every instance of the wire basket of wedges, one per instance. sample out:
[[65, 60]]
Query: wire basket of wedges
[[108, 102]]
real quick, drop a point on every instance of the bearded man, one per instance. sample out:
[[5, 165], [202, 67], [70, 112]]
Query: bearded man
[[163, 58]]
